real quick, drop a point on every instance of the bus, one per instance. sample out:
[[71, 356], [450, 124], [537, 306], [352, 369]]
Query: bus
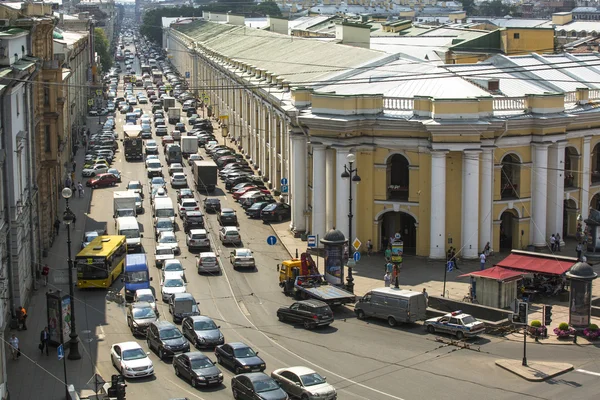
[[157, 76], [100, 262]]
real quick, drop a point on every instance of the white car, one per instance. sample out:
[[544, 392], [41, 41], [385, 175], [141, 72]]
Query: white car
[[94, 170], [304, 383], [154, 168], [171, 286], [146, 295], [178, 180], [188, 205], [175, 268], [168, 238], [197, 239], [162, 254], [230, 235], [242, 258], [151, 147], [131, 360], [175, 167]]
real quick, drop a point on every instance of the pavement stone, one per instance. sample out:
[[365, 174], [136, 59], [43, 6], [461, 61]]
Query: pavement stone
[[535, 371]]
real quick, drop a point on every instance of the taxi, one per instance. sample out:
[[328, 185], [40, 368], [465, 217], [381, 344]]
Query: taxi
[[457, 324]]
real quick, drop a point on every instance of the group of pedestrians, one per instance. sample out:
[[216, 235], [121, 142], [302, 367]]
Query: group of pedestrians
[[555, 243], [14, 344]]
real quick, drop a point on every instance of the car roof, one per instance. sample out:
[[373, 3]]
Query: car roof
[[173, 261], [196, 355], [188, 199], [144, 291], [257, 376], [162, 324], [238, 345], [207, 254], [230, 228], [128, 345], [197, 231], [224, 210], [183, 296], [297, 370], [167, 233], [313, 303], [242, 250], [193, 214], [141, 304]]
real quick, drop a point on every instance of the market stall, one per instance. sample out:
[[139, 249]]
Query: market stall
[[495, 287]]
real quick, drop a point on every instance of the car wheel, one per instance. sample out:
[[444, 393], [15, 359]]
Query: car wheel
[[161, 353], [177, 371], [219, 361], [307, 325], [93, 174], [95, 187], [430, 329], [392, 321], [194, 383], [235, 394], [304, 397], [281, 318], [280, 218], [460, 335], [360, 314]]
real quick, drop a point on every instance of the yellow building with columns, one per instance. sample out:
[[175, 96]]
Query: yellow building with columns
[[449, 155]]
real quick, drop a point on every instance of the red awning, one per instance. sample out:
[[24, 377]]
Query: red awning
[[543, 264], [497, 273]]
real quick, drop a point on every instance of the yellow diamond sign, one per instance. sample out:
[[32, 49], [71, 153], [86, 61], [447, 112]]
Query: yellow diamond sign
[[357, 243]]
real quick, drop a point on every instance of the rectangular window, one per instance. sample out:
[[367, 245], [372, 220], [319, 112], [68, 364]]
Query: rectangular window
[[47, 139], [516, 35], [46, 93]]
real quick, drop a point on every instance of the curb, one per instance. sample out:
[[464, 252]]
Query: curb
[[292, 255], [565, 343], [565, 368]]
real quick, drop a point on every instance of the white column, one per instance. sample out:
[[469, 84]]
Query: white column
[[470, 205], [330, 188], [437, 230], [586, 154], [298, 181], [556, 188], [318, 190], [486, 197], [538, 194], [342, 191]]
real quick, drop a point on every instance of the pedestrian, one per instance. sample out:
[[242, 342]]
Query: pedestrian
[[426, 295], [80, 189], [579, 248], [44, 339], [482, 261], [68, 182], [388, 254], [387, 279], [453, 258], [557, 242], [56, 225], [74, 165], [389, 268], [45, 273], [552, 243], [487, 249], [22, 318], [396, 276], [369, 247], [14, 346]]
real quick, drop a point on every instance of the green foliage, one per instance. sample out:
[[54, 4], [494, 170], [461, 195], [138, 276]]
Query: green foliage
[[101, 48], [497, 8], [268, 8], [563, 326], [469, 6], [593, 327], [536, 324]]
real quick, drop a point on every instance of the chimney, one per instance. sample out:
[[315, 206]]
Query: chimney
[[353, 34]]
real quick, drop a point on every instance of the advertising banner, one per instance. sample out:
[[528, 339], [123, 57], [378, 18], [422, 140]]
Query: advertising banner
[[334, 267]]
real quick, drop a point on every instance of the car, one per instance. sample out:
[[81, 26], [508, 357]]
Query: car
[[227, 217], [171, 286], [159, 121], [158, 182], [175, 167], [457, 324], [146, 295], [239, 357], [187, 205], [168, 238], [192, 220], [230, 235], [136, 186], [276, 212], [242, 258], [185, 193], [174, 269], [88, 237], [304, 383], [197, 239], [194, 157], [161, 130], [157, 192], [151, 147], [180, 126], [254, 210], [102, 180], [236, 195], [212, 204], [167, 140], [256, 385], [310, 313], [198, 369], [164, 338], [94, 170], [116, 173], [162, 253], [97, 160], [139, 316], [257, 197], [182, 299], [131, 360], [206, 262], [93, 113], [163, 224], [178, 180], [153, 168]]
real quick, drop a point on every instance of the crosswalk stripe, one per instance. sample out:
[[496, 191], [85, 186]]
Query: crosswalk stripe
[[583, 371]]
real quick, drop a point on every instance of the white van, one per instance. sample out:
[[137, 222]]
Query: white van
[[394, 305], [129, 227], [163, 208]]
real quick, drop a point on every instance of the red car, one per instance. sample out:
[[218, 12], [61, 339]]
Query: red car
[[241, 192], [102, 180]]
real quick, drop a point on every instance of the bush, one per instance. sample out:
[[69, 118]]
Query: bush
[[536, 324], [563, 326], [593, 327]]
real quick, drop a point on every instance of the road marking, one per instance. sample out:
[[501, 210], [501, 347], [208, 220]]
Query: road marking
[[583, 371]]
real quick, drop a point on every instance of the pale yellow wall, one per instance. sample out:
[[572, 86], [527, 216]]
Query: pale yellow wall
[[366, 229], [454, 198], [540, 40]]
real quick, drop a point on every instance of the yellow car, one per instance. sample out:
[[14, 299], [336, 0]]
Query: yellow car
[[91, 163]]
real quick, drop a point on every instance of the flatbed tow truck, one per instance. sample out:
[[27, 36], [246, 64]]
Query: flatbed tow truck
[[300, 278]]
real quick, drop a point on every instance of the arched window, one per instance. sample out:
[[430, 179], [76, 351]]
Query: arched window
[[510, 177], [571, 167], [397, 178]]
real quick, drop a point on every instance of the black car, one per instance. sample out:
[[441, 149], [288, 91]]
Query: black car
[[276, 212], [239, 357], [197, 368], [192, 220], [164, 338], [310, 313], [186, 193], [256, 385], [254, 210], [227, 217], [202, 331], [212, 205], [231, 183]]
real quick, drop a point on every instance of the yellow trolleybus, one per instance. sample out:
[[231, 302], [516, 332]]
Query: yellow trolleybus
[[100, 262]]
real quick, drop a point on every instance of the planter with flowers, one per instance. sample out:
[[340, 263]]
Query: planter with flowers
[[564, 330], [591, 332], [536, 329]]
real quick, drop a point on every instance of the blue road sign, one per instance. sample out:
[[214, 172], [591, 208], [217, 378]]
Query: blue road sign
[[271, 240], [285, 188], [356, 256], [61, 352], [311, 241], [187, 75], [284, 181]]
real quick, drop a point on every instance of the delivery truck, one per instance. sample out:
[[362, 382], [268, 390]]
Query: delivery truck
[[205, 175], [174, 115], [189, 145], [132, 142], [168, 103], [124, 204]]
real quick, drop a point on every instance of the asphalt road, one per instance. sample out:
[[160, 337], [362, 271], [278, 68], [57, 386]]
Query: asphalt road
[[363, 360]]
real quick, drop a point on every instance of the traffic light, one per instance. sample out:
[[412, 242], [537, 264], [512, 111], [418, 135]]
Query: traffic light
[[547, 315], [117, 388], [520, 317]]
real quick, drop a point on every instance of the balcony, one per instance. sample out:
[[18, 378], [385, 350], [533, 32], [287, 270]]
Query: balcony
[[596, 178], [509, 191], [397, 193], [570, 182]]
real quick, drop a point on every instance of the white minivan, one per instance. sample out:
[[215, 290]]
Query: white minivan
[[163, 208], [129, 227]]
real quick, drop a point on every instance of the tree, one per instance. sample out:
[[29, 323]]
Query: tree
[[270, 8], [101, 48], [496, 8], [469, 6]]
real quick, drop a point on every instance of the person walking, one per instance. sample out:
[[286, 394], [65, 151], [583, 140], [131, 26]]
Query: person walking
[[388, 254], [22, 318], [557, 242], [80, 189], [426, 297], [389, 268], [44, 339], [68, 182], [552, 243], [74, 165], [45, 273], [14, 346], [72, 181], [387, 279], [57, 225], [487, 249], [369, 247], [579, 249], [482, 259], [453, 258]]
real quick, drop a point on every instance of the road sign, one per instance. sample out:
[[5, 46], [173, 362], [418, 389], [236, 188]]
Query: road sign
[[311, 241], [284, 181], [285, 188], [60, 351], [356, 256], [99, 92], [271, 240], [96, 382], [356, 244], [90, 102], [187, 75]]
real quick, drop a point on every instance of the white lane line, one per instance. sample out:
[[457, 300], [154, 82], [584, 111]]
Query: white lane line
[[583, 371]]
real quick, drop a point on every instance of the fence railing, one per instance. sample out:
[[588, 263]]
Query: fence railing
[[508, 103], [398, 103]]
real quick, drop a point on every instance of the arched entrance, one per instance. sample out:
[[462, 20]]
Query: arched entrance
[[393, 222], [509, 230], [569, 218]]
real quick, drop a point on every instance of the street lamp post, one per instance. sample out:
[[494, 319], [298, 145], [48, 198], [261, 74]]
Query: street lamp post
[[68, 218], [352, 174]]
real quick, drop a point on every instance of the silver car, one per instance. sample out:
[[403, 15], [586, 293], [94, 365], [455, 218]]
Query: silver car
[[139, 316], [207, 263], [304, 383]]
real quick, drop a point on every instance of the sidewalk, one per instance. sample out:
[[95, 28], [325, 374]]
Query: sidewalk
[[35, 375]]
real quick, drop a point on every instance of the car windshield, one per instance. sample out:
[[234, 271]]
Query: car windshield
[[201, 363], [266, 385], [134, 186], [90, 237], [134, 354], [172, 333], [312, 379], [166, 224], [173, 266], [244, 253], [204, 325], [468, 320], [256, 206], [228, 213], [146, 297], [136, 276], [154, 164], [143, 313], [174, 283], [164, 251], [168, 239], [158, 181], [270, 207], [130, 233], [244, 352]]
